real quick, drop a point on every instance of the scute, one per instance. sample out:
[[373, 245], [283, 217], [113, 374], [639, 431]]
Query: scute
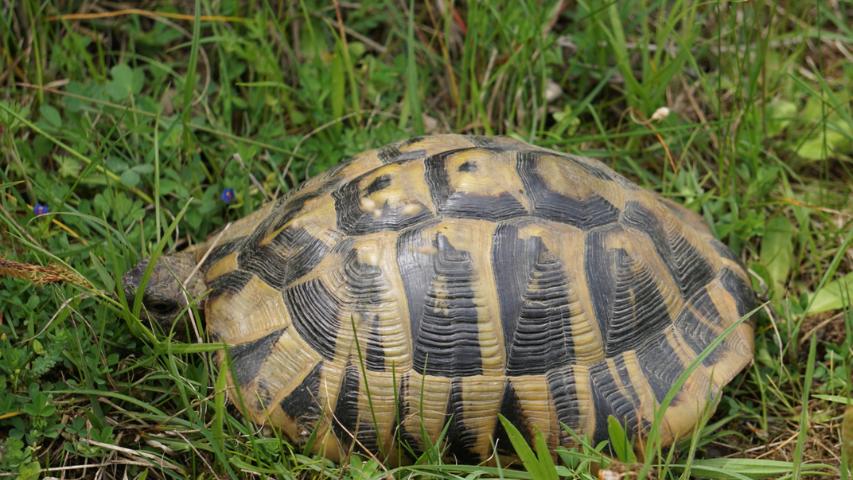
[[442, 280]]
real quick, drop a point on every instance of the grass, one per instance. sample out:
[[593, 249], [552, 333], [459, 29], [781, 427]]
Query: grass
[[128, 125]]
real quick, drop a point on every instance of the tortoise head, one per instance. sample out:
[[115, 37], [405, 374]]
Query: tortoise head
[[173, 281]]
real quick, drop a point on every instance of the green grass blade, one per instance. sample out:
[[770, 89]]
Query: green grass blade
[[531, 463], [804, 405], [619, 441], [412, 102], [189, 86]]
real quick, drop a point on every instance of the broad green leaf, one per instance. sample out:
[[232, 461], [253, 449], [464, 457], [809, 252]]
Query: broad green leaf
[[812, 111], [29, 471], [835, 295], [122, 80], [522, 449], [777, 250], [125, 82], [144, 169], [69, 167], [781, 113], [546, 462], [50, 115], [619, 441], [130, 178], [821, 147]]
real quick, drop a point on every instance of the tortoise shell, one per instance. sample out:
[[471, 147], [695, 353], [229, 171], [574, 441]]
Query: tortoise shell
[[443, 280]]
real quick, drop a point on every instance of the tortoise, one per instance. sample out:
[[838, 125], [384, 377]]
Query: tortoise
[[427, 286]]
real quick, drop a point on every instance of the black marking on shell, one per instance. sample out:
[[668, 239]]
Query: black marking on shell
[[266, 263], [625, 378], [379, 183], [444, 320], [723, 250], [231, 283], [481, 140], [346, 407], [416, 272], [302, 404], [365, 291], [688, 267], [364, 282], [744, 296], [375, 356], [542, 335], [304, 252], [495, 144], [436, 177], [598, 276], [221, 251], [511, 263], [561, 386], [367, 437], [234, 281], [697, 334], [393, 154], [389, 153], [704, 305], [501, 207], [628, 306], [352, 220], [639, 310], [289, 207], [609, 400], [344, 246], [461, 439], [247, 358], [660, 365], [543, 338], [291, 254], [315, 312], [512, 410], [460, 204], [550, 205], [468, 166], [412, 140]]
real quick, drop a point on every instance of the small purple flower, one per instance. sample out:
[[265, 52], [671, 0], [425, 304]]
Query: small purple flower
[[40, 209], [227, 195]]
